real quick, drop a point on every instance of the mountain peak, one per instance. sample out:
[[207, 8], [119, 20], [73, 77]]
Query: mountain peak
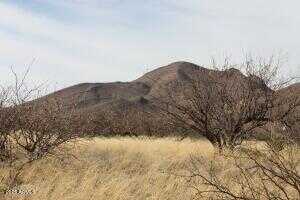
[[168, 72], [181, 64]]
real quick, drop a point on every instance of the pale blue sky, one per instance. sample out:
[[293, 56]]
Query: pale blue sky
[[75, 41]]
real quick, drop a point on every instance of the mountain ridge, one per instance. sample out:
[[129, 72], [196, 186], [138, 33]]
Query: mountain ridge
[[135, 94], [146, 85]]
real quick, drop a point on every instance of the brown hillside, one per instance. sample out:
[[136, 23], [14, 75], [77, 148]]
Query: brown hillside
[[293, 91], [151, 84], [116, 96], [159, 82]]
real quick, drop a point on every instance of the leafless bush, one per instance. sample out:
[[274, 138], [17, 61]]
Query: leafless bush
[[251, 175], [36, 125], [41, 127], [33, 126], [6, 125], [227, 105]]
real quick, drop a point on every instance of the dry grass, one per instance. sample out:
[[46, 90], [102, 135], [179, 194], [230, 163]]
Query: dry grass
[[119, 169], [115, 168]]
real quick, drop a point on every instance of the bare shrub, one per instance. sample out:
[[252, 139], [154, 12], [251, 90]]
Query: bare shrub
[[252, 174], [36, 125], [226, 105], [6, 125], [33, 127], [41, 127]]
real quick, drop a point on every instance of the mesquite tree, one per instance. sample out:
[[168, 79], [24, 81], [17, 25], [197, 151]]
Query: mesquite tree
[[35, 125], [226, 105]]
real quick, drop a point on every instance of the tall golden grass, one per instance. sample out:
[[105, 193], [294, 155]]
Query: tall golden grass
[[115, 169]]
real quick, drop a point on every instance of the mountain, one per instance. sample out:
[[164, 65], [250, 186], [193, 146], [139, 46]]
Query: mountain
[[149, 85], [293, 92], [116, 96], [97, 95]]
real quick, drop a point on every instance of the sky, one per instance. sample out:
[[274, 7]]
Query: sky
[[66, 42]]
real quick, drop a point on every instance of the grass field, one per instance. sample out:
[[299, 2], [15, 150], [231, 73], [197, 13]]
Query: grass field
[[115, 168]]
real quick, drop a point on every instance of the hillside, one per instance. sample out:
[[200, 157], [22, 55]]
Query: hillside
[[159, 83], [97, 94], [156, 83], [293, 91]]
